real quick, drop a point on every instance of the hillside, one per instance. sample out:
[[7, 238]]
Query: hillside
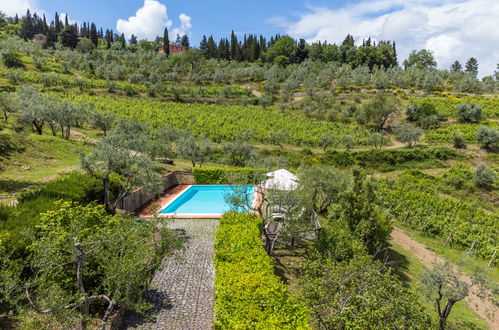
[[393, 162]]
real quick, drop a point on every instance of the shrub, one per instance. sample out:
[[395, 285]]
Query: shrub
[[423, 114], [488, 137], [248, 293], [12, 59], [484, 177], [219, 175], [469, 112], [458, 140]]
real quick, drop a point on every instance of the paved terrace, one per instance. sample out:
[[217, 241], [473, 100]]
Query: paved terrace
[[183, 289]]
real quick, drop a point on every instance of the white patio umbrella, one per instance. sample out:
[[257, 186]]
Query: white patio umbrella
[[281, 180]]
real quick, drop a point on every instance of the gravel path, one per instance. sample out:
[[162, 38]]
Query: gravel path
[[183, 289]]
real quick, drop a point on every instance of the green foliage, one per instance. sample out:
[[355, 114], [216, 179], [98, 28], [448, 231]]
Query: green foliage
[[360, 293], [388, 158], [421, 59], [360, 213], [469, 112], [221, 175], [423, 114], [20, 220], [408, 134], [320, 186], [412, 199], [115, 254], [284, 49], [224, 123], [248, 293], [12, 59], [488, 137], [447, 106], [458, 140], [484, 176], [458, 176], [378, 111]]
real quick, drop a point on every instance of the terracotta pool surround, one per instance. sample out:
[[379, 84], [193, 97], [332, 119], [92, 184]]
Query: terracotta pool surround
[[151, 210]]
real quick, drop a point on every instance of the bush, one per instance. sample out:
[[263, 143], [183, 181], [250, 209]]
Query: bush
[[248, 293], [484, 177], [469, 112], [423, 114], [458, 140], [488, 137], [219, 175], [12, 59]]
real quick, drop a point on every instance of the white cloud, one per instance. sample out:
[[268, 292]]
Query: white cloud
[[150, 21], [19, 7], [185, 26], [451, 29]]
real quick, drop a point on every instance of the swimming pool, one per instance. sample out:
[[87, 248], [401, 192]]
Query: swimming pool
[[206, 200]]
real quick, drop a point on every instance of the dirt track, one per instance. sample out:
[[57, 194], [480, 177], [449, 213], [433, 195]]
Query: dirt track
[[485, 308]]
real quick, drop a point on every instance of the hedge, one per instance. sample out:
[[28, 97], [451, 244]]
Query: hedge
[[217, 175], [390, 157], [248, 293]]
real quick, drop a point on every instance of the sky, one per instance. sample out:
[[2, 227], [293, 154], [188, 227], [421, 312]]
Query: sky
[[451, 29]]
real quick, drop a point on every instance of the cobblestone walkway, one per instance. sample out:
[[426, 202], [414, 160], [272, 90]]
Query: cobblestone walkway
[[183, 289]]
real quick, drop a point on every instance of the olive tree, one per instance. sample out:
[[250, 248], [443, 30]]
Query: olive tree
[[102, 120], [194, 151], [33, 108], [116, 154], [82, 255], [443, 285], [9, 105], [360, 293], [320, 186], [408, 134], [469, 112], [484, 176], [488, 137]]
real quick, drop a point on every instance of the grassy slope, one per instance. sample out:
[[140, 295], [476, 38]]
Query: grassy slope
[[44, 157], [411, 271]]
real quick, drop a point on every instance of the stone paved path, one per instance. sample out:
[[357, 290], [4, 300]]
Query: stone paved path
[[183, 289]]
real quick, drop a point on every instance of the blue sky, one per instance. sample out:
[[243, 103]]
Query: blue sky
[[451, 29]]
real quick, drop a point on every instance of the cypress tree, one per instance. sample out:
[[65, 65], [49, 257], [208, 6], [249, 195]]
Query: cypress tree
[[211, 48], [45, 26], [203, 45], [166, 42], [16, 19], [66, 21], [57, 24], [233, 46], [93, 35], [69, 37], [27, 28], [185, 41], [122, 40]]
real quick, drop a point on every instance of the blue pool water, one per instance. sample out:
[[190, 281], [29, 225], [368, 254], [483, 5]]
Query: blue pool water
[[201, 200]]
